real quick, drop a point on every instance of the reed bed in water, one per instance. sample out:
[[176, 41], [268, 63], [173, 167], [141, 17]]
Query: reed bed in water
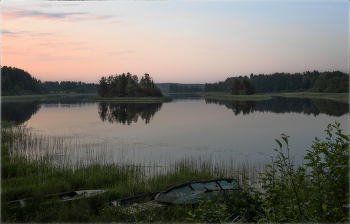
[[34, 165]]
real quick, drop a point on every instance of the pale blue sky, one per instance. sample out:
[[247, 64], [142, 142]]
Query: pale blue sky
[[177, 41]]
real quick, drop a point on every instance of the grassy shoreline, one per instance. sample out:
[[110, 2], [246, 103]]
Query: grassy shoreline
[[42, 96], [228, 96], [340, 97], [23, 177], [131, 99]]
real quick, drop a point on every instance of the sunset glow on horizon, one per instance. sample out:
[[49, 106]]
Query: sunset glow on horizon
[[178, 42]]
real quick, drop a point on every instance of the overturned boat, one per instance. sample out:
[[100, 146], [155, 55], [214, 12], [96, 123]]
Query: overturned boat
[[189, 192], [65, 196]]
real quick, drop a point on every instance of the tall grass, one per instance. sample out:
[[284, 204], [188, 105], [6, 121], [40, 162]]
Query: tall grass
[[34, 164]]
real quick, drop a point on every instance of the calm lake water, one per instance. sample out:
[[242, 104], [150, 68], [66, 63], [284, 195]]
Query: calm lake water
[[189, 126]]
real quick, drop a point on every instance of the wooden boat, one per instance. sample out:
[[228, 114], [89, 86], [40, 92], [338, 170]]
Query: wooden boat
[[65, 196], [189, 192], [136, 203]]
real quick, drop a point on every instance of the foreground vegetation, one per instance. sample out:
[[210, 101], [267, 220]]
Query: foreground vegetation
[[315, 192], [35, 173]]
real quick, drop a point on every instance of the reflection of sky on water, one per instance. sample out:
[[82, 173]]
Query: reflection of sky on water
[[182, 129]]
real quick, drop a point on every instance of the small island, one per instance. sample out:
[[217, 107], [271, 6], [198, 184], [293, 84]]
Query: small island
[[127, 88]]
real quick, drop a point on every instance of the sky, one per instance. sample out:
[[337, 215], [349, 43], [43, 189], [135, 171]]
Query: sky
[[173, 41]]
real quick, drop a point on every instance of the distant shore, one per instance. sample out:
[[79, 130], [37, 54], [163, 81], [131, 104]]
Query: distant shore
[[340, 97], [132, 99], [228, 96], [42, 96]]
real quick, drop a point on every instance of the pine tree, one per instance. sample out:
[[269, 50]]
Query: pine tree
[[103, 87]]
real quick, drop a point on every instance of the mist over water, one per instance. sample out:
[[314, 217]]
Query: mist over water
[[189, 126]]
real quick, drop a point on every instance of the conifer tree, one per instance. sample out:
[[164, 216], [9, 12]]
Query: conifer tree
[[103, 87]]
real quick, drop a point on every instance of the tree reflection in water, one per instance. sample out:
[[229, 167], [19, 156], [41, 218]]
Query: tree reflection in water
[[286, 105], [19, 112], [127, 112]]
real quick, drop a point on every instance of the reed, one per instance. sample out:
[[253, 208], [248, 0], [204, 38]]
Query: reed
[[34, 165]]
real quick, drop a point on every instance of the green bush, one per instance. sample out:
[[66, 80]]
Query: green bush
[[317, 191], [209, 210]]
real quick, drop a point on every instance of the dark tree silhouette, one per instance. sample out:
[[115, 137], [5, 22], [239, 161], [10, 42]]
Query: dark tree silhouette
[[15, 81], [127, 85], [331, 82], [103, 87]]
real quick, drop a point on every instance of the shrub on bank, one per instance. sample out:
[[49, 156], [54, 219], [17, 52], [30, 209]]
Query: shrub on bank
[[316, 192]]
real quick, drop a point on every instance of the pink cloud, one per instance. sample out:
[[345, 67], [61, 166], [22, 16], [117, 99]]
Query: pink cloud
[[51, 16]]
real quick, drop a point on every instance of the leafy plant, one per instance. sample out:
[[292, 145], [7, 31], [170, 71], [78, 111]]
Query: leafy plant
[[209, 210], [315, 192]]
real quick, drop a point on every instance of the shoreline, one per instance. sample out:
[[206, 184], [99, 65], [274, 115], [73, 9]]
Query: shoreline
[[339, 97], [228, 96], [42, 96]]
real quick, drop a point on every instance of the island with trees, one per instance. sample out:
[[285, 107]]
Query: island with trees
[[127, 87]]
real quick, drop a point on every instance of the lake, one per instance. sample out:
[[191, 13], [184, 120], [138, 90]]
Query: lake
[[188, 127]]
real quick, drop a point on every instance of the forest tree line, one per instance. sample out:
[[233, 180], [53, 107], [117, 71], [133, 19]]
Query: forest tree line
[[128, 85], [15, 81], [68, 87], [242, 88], [173, 88], [328, 82]]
